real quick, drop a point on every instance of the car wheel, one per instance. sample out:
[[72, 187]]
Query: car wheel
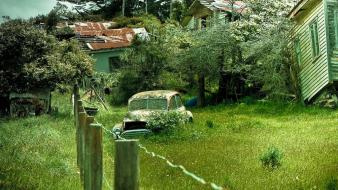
[[190, 120]]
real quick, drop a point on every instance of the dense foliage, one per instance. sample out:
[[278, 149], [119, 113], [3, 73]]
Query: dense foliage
[[243, 57], [29, 58], [166, 122], [162, 9]]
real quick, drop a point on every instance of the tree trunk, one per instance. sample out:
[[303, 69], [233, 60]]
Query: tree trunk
[[222, 86], [123, 7], [201, 90]]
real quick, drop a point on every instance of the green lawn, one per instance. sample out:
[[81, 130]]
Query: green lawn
[[39, 152]]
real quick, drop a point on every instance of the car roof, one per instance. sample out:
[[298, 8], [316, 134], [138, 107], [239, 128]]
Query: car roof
[[154, 94]]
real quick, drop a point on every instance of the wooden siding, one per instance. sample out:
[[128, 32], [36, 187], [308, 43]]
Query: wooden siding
[[102, 59], [314, 74], [332, 5]]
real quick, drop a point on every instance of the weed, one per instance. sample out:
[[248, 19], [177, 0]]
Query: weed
[[272, 158], [210, 124], [165, 121], [332, 184]]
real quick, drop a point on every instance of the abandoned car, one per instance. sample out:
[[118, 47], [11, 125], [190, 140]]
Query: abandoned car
[[142, 105]]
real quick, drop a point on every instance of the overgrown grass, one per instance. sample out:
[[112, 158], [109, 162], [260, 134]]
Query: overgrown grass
[[224, 145]]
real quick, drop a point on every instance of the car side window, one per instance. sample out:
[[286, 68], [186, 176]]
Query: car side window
[[178, 101], [172, 103]]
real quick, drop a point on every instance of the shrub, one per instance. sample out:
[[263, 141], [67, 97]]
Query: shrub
[[209, 124], [149, 22], [165, 121], [332, 184], [272, 158]]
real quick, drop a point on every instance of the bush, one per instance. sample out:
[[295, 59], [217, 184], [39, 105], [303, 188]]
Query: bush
[[149, 22], [209, 124], [128, 84], [165, 122], [272, 158], [332, 184]]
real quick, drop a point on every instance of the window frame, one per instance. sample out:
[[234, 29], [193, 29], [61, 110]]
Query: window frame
[[314, 38]]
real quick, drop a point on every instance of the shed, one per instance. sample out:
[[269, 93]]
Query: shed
[[33, 102], [315, 39]]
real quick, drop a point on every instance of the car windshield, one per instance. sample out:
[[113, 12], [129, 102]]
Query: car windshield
[[150, 104]]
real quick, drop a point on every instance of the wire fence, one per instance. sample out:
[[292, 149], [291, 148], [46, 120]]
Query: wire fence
[[169, 163], [89, 150]]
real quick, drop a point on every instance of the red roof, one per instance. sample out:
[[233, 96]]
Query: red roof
[[111, 38], [108, 45]]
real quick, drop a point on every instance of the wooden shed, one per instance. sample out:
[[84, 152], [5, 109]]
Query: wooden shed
[[33, 102], [315, 39]]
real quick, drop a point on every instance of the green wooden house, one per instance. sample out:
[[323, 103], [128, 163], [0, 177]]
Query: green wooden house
[[316, 45], [105, 45]]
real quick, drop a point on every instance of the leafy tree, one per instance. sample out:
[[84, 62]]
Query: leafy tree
[[244, 55], [149, 22], [113, 8], [29, 58]]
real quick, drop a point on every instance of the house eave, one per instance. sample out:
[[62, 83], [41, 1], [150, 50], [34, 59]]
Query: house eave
[[298, 8]]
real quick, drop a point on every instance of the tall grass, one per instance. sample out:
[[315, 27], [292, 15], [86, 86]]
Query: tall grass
[[224, 145]]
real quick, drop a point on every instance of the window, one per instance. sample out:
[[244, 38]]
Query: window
[[178, 101], [314, 38], [114, 63], [172, 103], [203, 22], [298, 51], [151, 104]]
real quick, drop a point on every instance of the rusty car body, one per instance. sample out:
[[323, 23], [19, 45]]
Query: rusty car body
[[142, 105]]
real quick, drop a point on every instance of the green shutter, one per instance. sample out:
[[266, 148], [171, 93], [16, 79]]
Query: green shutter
[[336, 26], [314, 38]]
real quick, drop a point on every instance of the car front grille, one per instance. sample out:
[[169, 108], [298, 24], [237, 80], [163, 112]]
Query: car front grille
[[135, 125]]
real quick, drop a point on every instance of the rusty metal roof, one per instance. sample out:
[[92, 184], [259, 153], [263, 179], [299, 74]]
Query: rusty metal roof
[[98, 36]]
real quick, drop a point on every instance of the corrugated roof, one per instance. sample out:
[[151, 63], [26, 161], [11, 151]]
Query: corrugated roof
[[224, 5], [98, 36], [107, 45]]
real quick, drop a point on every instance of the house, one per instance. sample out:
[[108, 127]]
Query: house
[[104, 44], [315, 38], [202, 13]]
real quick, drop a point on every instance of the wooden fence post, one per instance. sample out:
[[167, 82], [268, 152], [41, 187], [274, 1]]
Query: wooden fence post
[[80, 143], [126, 165], [77, 125], [87, 153], [76, 98], [96, 156]]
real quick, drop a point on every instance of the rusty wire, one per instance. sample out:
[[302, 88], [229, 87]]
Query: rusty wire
[[169, 163]]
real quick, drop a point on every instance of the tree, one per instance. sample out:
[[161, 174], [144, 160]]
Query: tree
[[29, 58], [113, 8], [238, 54]]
